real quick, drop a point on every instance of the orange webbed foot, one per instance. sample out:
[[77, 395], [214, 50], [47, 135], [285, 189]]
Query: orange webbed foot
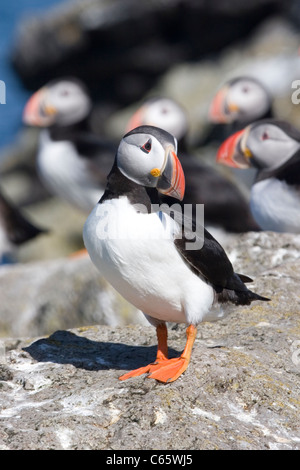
[[170, 370], [163, 369], [149, 369]]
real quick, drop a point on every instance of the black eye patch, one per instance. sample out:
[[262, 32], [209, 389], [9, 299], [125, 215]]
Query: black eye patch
[[265, 136], [147, 146]]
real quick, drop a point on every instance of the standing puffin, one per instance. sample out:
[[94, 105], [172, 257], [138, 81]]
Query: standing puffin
[[72, 162], [273, 147], [225, 205], [15, 229], [239, 102], [142, 252]]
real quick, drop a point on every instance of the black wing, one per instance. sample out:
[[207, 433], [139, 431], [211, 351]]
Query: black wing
[[19, 229], [212, 264]]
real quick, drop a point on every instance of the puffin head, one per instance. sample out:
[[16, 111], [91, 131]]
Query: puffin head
[[243, 99], [147, 156], [164, 113], [266, 144], [61, 102]]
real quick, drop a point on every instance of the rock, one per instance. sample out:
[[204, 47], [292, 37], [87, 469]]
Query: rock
[[120, 48], [38, 298], [68, 291], [264, 252], [240, 391], [269, 54]]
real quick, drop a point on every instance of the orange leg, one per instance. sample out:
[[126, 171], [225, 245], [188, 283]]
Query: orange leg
[[79, 254], [161, 356], [163, 369]]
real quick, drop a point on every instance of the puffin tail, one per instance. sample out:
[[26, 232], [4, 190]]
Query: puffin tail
[[239, 297], [259, 297]]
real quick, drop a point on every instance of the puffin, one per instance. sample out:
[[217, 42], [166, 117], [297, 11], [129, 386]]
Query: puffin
[[239, 102], [15, 229], [224, 204], [145, 252], [272, 147], [72, 161]]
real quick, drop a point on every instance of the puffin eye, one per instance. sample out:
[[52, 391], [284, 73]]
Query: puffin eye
[[265, 136], [245, 89], [64, 93], [147, 146]]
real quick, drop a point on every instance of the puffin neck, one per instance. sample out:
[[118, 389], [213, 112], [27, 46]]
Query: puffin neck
[[280, 171], [58, 132], [182, 146], [119, 185], [269, 114]]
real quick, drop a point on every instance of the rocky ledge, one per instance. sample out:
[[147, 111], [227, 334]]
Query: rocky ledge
[[241, 390], [120, 49]]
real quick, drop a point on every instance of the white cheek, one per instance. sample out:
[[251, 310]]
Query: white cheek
[[256, 102], [155, 158], [129, 161], [253, 103], [136, 164], [274, 153], [140, 162]]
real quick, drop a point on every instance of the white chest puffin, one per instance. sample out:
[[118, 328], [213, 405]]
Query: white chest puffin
[[225, 205], [239, 102], [142, 252], [273, 147], [73, 162]]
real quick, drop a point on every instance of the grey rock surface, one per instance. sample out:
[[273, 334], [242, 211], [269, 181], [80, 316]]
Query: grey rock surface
[[240, 391], [38, 298]]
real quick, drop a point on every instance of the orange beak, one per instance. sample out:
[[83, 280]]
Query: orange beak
[[230, 153], [172, 180], [35, 113], [136, 120], [216, 112]]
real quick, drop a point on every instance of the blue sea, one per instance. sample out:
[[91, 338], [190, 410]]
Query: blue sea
[[11, 13]]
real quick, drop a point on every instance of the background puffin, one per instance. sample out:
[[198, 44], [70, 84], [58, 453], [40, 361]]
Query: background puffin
[[73, 163], [225, 205], [15, 229], [273, 147], [239, 102], [144, 254]]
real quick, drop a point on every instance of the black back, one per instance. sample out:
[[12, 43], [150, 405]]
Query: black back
[[224, 204]]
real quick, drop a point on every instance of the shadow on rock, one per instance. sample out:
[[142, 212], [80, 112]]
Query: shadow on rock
[[64, 347]]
